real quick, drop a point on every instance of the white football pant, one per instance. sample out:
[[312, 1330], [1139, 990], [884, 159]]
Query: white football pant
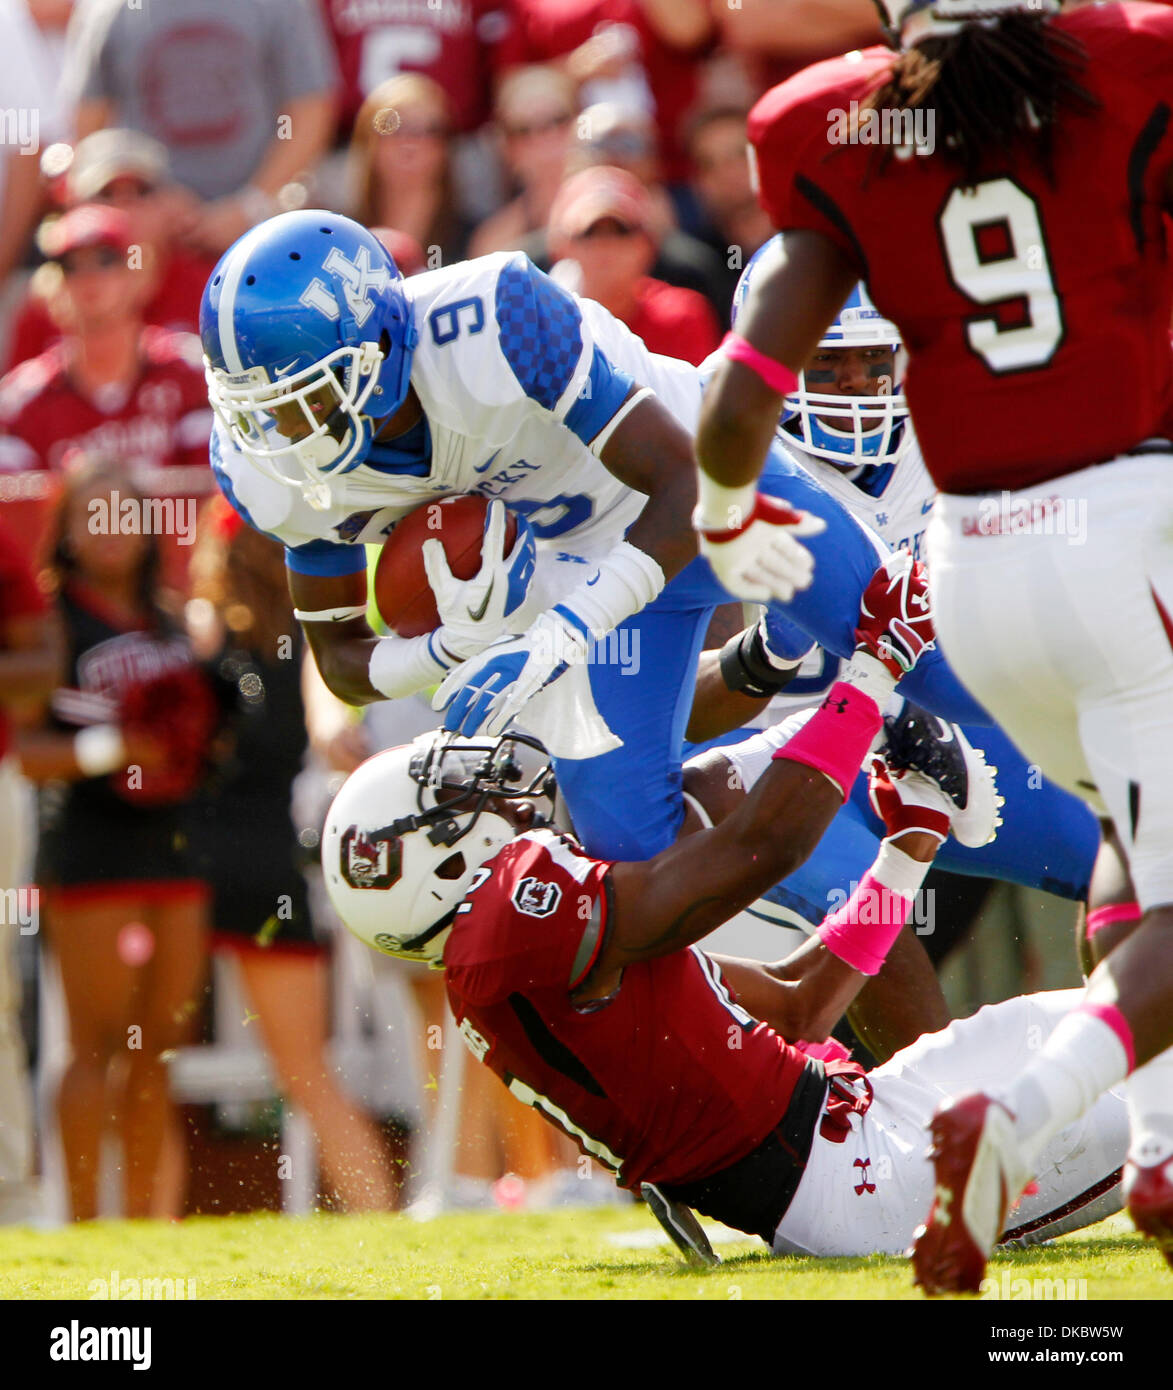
[[869, 1193]]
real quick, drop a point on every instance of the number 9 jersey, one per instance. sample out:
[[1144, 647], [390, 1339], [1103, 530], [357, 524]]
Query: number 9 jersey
[[1035, 312]]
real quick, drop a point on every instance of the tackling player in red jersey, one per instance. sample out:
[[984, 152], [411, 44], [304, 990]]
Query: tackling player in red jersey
[[578, 982], [1014, 229]]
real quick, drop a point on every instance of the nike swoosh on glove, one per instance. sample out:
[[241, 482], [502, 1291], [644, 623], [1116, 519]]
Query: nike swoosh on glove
[[475, 612], [487, 692], [761, 557]]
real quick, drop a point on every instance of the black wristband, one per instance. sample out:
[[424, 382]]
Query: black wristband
[[746, 668]]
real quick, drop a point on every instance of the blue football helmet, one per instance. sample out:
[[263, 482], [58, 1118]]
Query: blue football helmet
[[308, 340], [863, 429]]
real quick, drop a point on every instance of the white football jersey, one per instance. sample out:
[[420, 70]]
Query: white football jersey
[[516, 377]]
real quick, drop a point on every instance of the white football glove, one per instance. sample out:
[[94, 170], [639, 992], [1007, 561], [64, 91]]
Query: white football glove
[[757, 555], [476, 612], [488, 691]]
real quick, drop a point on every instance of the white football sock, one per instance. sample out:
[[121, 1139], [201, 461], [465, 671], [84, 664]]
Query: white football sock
[[1150, 1111], [1081, 1059]]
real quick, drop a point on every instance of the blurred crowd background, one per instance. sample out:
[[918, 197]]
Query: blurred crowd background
[[196, 1033]]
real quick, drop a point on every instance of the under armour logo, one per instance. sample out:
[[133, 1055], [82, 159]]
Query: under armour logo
[[863, 1164], [837, 705], [358, 279], [944, 1197]]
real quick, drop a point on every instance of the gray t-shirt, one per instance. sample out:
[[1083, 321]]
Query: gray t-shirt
[[208, 78]]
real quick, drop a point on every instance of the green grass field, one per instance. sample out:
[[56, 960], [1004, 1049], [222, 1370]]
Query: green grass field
[[599, 1254]]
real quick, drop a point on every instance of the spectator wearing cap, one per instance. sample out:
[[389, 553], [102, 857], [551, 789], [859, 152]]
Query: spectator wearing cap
[[128, 170], [603, 235], [625, 138], [534, 112], [401, 170], [240, 92], [111, 388]]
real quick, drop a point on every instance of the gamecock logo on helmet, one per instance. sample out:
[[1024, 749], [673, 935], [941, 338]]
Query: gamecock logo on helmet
[[536, 898], [371, 861]]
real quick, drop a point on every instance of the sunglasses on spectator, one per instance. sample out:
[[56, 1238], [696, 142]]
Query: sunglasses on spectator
[[524, 132], [92, 258], [420, 130], [606, 227]]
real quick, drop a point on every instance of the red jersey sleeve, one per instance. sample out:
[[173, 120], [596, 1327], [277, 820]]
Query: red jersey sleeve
[[793, 134], [537, 920]]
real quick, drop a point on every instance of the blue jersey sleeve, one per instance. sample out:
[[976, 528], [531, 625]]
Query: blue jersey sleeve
[[543, 338], [325, 558]]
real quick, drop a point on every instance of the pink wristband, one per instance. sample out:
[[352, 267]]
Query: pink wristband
[[861, 933], [837, 739], [777, 376], [1100, 917]]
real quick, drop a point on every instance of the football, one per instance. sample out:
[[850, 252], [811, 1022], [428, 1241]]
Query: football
[[402, 594]]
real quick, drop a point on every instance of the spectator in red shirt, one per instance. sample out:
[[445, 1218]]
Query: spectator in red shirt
[[128, 170], [603, 235], [401, 169], [110, 388], [535, 113], [454, 45]]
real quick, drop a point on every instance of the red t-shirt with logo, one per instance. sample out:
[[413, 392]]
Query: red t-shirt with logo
[[158, 429]]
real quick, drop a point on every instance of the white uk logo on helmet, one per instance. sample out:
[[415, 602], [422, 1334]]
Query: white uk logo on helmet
[[358, 280]]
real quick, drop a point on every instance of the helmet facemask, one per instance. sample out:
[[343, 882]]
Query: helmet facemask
[[398, 886], [853, 430], [322, 405]]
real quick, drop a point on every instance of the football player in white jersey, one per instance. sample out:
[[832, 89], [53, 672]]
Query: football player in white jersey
[[346, 397]]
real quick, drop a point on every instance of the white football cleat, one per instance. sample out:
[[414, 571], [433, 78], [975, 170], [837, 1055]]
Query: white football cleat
[[914, 738]]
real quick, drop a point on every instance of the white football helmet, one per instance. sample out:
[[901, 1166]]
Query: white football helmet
[[407, 833]]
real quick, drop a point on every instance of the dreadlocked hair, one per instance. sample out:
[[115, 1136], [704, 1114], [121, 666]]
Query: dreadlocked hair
[[991, 87]]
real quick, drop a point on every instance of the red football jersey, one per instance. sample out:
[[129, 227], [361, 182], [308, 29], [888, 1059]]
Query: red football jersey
[[1036, 315], [158, 429], [668, 1081]]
